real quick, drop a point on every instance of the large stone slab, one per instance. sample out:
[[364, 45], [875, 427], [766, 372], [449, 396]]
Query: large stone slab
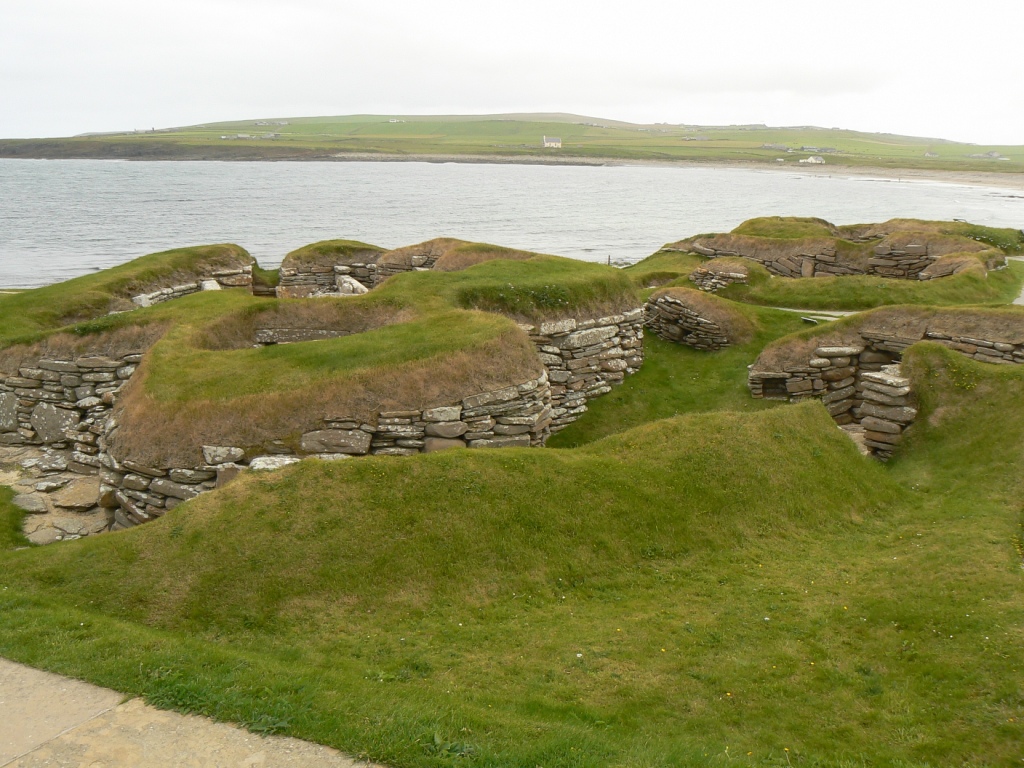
[[448, 429], [352, 441], [50, 422], [8, 412]]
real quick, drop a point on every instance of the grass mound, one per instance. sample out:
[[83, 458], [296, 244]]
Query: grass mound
[[448, 254], [727, 315], [328, 253], [27, 315]]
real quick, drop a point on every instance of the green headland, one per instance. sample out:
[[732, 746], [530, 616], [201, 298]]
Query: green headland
[[520, 138]]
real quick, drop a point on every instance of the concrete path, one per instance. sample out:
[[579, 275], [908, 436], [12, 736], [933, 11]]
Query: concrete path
[[49, 721], [1020, 299]]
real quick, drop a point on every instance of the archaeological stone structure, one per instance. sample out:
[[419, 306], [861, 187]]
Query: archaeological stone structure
[[716, 274], [216, 280], [681, 316]]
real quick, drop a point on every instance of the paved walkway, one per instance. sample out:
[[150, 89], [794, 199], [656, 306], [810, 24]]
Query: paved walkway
[[49, 721]]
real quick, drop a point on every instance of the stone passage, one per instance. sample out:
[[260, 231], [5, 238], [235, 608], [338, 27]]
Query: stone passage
[[227, 278], [716, 274], [671, 319], [853, 383], [584, 358]]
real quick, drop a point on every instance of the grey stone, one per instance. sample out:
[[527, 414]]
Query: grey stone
[[269, 463], [227, 472], [353, 441], [432, 444], [588, 337], [142, 469], [29, 502], [50, 422], [222, 454], [136, 482], [447, 429], [171, 488], [520, 441], [8, 412], [837, 395], [48, 486], [899, 414], [510, 429], [557, 326], [191, 476], [837, 351], [445, 413]]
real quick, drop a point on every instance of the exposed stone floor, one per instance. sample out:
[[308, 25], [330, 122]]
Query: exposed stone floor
[[61, 505], [49, 721]]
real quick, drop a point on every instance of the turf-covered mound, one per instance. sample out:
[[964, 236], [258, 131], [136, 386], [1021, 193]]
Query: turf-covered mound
[[328, 253], [694, 318], [27, 315], [447, 254], [900, 248], [988, 334]]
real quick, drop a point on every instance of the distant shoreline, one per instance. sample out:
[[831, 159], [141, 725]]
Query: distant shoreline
[[1001, 180]]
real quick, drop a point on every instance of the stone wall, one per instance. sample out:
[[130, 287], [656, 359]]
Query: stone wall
[[306, 281], [64, 404], [584, 358], [711, 280], [854, 383], [227, 278], [515, 416], [906, 262], [672, 320]]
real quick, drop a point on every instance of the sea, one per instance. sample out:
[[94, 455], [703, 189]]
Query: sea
[[64, 218]]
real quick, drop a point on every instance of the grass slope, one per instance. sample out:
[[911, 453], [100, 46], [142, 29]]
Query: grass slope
[[707, 589], [519, 136]]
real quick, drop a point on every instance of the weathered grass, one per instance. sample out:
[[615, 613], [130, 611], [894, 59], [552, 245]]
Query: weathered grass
[[328, 253]]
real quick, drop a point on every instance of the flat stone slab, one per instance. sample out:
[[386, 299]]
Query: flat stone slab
[[53, 722]]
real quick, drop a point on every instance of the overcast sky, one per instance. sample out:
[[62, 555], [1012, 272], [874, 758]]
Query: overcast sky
[[949, 70]]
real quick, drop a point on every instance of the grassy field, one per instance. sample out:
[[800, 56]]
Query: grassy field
[[708, 589], [686, 576], [520, 136]]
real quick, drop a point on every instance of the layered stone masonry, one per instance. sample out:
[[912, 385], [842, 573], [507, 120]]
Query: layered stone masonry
[[339, 280], [858, 385], [905, 263], [585, 358], [515, 416], [672, 320], [228, 278], [713, 280]]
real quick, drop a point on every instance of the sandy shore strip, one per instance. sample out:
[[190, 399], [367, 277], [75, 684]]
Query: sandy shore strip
[[1014, 181]]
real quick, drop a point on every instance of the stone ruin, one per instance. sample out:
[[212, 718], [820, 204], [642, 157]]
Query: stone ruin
[[860, 382], [716, 274], [696, 320]]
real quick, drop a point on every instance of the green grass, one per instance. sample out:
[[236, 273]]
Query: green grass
[[28, 315], [855, 292], [354, 608], [677, 379], [11, 535], [515, 136]]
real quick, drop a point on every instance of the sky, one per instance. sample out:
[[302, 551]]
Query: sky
[[919, 68]]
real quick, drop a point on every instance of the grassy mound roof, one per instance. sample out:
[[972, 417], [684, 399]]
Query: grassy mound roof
[[26, 315], [328, 253], [996, 324], [451, 255], [420, 340], [731, 317]]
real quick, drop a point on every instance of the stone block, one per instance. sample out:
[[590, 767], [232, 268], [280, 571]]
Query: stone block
[[136, 482], [31, 503], [8, 412], [519, 441], [831, 352], [446, 429], [171, 488], [799, 385], [51, 422], [899, 414], [837, 395], [838, 374], [351, 441], [191, 476], [887, 438], [432, 444], [589, 337], [222, 454], [268, 463], [880, 425]]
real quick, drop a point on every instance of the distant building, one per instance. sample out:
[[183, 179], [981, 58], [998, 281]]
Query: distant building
[[552, 142], [931, 154], [814, 160]]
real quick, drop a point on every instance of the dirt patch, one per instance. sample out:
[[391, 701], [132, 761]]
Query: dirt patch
[[127, 340]]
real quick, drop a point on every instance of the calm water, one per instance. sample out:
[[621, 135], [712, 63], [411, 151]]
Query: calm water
[[59, 219]]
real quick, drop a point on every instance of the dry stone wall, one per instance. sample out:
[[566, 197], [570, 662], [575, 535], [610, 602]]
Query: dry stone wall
[[906, 262], [515, 416], [307, 281], [584, 358], [672, 320], [711, 280], [227, 278]]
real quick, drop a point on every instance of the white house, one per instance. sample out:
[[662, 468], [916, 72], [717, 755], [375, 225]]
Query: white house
[[553, 141], [814, 160]]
